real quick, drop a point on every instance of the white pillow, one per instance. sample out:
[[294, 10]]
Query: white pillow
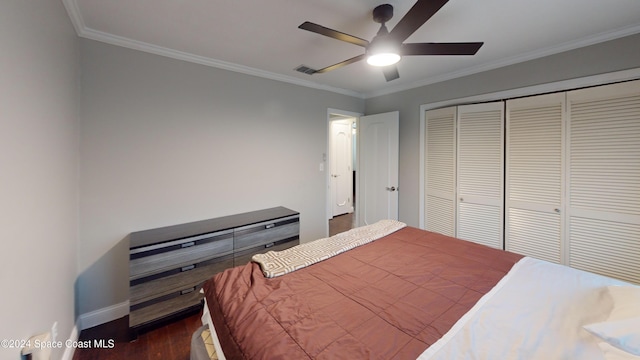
[[621, 330], [626, 302], [623, 334], [612, 353]]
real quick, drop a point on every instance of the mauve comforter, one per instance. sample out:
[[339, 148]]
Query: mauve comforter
[[390, 299]]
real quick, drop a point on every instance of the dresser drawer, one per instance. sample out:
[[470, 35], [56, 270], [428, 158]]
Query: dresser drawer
[[266, 232], [150, 288], [174, 304], [148, 260], [243, 257], [168, 265]]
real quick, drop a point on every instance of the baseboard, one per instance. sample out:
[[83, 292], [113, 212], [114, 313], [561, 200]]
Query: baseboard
[[104, 315], [69, 350], [94, 318]]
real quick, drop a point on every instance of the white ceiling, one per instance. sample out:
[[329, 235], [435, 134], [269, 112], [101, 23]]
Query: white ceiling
[[262, 38]]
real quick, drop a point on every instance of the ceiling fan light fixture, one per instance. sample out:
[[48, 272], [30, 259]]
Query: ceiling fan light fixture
[[388, 47], [383, 59], [382, 51]]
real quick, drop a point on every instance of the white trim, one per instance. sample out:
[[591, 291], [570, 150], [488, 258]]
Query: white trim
[[328, 205], [83, 31], [104, 315], [532, 55], [564, 85], [92, 34], [73, 337], [75, 15], [421, 180]]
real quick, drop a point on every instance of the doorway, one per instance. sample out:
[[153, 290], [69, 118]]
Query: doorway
[[374, 168], [341, 170], [378, 161]]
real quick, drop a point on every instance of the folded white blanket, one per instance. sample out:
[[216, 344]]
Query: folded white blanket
[[277, 263], [537, 311]]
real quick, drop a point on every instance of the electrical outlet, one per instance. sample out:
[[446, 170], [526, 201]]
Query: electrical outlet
[[54, 332]]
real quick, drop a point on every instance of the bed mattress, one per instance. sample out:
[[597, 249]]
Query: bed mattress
[[389, 299]]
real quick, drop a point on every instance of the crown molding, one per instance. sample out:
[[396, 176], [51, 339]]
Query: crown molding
[[532, 55], [83, 31], [74, 14], [88, 33]]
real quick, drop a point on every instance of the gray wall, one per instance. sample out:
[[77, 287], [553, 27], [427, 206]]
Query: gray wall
[[39, 60], [620, 54], [165, 141]]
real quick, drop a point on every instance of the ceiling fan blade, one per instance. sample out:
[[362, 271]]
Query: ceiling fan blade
[[319, 29], [462, 48], [340, 64], [421, 11], [390, 72]]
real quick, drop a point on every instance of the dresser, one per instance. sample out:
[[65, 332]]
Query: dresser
[[168, 265]]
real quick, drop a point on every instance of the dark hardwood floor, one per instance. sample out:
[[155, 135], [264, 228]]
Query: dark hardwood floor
[[170, 342], [341, 223]]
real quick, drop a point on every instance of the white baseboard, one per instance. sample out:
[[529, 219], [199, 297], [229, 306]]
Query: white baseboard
[[104, 315], [69, 350], [94, 318]]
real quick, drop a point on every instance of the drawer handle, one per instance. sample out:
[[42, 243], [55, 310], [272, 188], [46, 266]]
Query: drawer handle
[[187, 268], [269, 245], [186, 291], [270, 226], [189, 244]]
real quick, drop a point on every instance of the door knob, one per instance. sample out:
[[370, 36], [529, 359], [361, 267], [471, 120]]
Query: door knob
[[393, 188]]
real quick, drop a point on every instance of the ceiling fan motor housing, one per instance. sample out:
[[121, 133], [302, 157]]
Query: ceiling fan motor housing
[[382, 13]]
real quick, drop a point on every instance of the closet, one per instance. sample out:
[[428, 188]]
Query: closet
[[464, 172], [570, 166]]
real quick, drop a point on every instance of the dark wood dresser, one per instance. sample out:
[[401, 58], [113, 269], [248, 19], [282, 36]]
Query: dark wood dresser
[[168, 265]]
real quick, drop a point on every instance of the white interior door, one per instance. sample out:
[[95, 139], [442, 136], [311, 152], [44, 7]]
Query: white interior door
[[377, 189], [341, 173], [480, 172]]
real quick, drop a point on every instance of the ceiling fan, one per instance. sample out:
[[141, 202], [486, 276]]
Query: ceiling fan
[[387, 48]]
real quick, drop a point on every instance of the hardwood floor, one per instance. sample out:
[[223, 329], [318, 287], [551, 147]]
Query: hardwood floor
[[170, 342], [341, 223]]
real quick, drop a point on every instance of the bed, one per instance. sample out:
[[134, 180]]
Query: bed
[[390, 291]]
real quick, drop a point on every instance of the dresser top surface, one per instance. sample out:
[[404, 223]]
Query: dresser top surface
[[173, 232]]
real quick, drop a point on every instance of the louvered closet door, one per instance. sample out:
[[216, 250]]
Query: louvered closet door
[[534, 176], [440, 174], [604, 180], [480, 171]]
